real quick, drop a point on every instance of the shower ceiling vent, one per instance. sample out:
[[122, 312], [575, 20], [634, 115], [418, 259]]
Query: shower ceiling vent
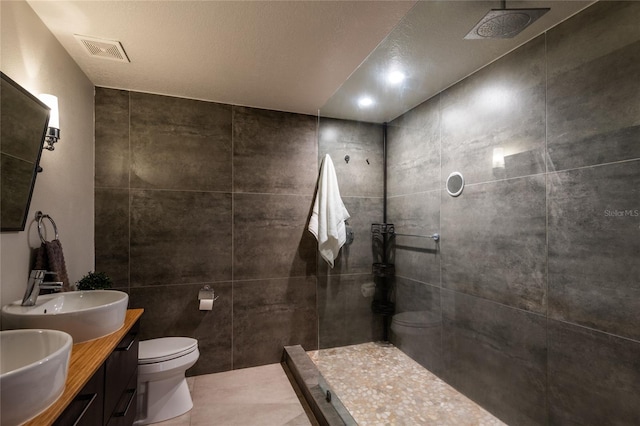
[[105, 49]]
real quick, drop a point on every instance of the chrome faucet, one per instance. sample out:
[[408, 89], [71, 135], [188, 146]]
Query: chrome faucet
[[36, 283]]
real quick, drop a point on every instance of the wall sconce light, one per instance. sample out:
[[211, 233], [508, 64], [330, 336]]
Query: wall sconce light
[[53, 132]]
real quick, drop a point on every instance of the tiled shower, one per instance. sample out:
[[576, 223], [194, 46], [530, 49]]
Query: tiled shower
[[533, 291], [536, 279]]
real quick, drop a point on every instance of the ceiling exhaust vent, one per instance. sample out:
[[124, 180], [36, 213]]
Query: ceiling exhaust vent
[[105, 49]]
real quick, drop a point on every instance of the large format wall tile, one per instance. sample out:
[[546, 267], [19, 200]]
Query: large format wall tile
[[180, 237], [593, 92], [112, 234], [594, 247], [497, 112], [496, 356], [413, 150], [112, 157], [356, 258], [361, 324], [274, 152], [332, 308], [180, 144], [271, 314], [363, 175], [416, 328], [270, 239], [494, 242], [344, 311], [174, 311], [416, 258], [594, 378]]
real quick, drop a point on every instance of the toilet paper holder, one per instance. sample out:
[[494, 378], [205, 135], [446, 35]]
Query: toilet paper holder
[[207, 293]]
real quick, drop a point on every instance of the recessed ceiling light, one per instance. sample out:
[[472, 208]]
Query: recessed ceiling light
[[365, 101], [395, 77]]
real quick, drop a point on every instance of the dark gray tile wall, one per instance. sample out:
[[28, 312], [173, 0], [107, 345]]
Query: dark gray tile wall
[[273, 152], [496, 355], [594, 247], [502, 107], [344, 292], [536, 276], [594, 377], [271, 314], [112, 225], [344, 310], [417, 326], [415, 151], [179, 144], [592, 94], [363, 175], [112, 153], [414, 257], [179, 237], [270, 239], [494, 242], [356, 258], [190, 193]]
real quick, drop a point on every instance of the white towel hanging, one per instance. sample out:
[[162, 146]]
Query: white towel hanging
[[329, 213]]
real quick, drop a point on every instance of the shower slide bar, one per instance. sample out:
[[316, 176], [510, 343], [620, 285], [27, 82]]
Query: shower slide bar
[[434, 237], [388, 228]]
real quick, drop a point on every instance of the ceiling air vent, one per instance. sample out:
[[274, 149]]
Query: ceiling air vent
[[105, 49]]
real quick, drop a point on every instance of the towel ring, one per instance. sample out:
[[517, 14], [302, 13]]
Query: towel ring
[[39, 217]]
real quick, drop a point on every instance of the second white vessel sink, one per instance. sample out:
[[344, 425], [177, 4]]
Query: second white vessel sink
[[85, 315], [33, 371]]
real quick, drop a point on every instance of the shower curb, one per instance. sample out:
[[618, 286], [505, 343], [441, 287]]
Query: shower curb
[[306, 376]]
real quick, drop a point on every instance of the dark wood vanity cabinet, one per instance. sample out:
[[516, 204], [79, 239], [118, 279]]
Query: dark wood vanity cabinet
[[109, 398], [121, 380], [87, 407]]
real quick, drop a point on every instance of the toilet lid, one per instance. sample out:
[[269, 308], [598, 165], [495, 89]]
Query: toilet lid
[[165, 349]]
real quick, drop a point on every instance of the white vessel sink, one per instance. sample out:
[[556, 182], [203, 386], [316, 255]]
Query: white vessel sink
[[33, 372], [85, 315]]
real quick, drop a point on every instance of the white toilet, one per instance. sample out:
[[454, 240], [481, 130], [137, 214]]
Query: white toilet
[[162, 388]]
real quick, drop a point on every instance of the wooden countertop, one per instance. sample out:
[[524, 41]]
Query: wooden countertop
[[86, 358]]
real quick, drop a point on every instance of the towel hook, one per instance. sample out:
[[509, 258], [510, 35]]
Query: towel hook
[[347, 158], [39, 218]]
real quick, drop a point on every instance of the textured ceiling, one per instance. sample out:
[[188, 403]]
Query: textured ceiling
[[280, 55], [428, 45], [298, 56]]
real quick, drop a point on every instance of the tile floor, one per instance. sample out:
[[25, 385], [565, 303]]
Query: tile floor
[[257, 396]]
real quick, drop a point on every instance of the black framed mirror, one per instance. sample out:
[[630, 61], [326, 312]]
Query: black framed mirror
[[23, 126]]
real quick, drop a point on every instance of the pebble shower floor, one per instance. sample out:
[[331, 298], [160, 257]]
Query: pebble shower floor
[[380, 385]]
